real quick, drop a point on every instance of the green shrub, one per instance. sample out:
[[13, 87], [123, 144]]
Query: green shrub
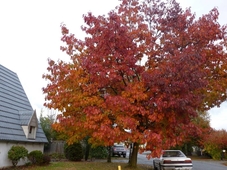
[[57, 156], [213, 150], [46, 159], [36, 157], [16, 153], [73, 152], [99, 152]]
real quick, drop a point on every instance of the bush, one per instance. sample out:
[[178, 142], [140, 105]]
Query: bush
[[46, 159], [36, 157], [99, 152], [214, 152], [73, 152], [57, 156], [16, 153]]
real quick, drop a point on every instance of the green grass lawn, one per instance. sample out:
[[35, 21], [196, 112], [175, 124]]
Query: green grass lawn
[[94, 165]]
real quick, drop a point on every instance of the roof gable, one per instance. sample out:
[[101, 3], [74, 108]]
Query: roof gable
[[15, 109]]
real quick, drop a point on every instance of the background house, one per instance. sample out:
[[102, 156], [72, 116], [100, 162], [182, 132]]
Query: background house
[[18, 121]]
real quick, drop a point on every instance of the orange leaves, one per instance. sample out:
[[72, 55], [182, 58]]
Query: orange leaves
[[135, 92], [156, 117]]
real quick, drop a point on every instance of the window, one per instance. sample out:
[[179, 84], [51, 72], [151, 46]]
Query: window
[[31, 132], [31, 128]]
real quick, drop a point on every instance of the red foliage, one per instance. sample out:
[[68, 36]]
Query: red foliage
[[218, 138], [108, 84]]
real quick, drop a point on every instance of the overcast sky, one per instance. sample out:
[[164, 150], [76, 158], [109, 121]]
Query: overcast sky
[[30, 34]]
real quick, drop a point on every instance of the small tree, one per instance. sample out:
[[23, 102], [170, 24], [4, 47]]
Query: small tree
[[16, 153], [73, 152], [99, 152], [36, 157], [46, 124]]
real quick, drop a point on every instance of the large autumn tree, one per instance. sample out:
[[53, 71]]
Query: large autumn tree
[[141, 75]]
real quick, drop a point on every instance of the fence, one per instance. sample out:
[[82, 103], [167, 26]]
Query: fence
[[56, 147]]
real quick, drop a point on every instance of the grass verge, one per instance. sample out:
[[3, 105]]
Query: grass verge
[[84, 166]]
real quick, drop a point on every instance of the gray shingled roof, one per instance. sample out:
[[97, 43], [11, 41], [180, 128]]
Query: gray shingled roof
[[25, 117], [15, 109]]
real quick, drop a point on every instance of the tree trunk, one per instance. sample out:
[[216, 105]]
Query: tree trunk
[[133, 159], [87, 151], [130, 153], [109, 154]]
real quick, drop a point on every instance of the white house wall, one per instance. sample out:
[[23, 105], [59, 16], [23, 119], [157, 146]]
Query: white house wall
[[5, 147]]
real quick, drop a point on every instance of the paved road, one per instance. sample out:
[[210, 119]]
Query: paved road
[[208, 165], [197, 165]]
